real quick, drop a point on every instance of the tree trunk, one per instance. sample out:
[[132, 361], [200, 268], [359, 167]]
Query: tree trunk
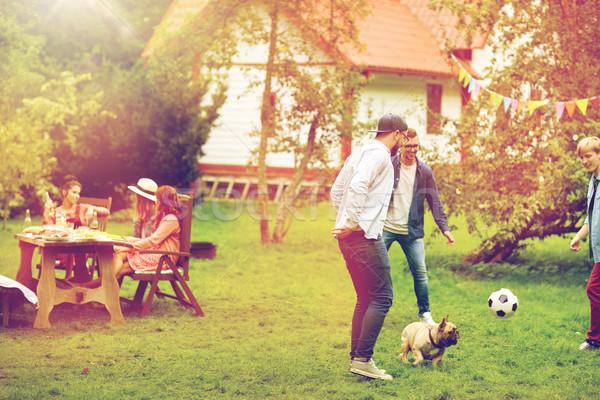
[[284, 208], [267, 128], [502, 245], [5, 215], [492, 251]]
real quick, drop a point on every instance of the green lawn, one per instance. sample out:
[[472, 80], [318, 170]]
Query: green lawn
[[277, 325]]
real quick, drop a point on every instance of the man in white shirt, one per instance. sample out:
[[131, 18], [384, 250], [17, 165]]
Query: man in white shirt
[[361, 195]]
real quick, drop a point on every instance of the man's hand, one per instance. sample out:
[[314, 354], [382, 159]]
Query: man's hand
[[575, 244], [340, 233], [449, 237]]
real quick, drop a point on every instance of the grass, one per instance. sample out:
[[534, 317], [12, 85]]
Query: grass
[[277, 326]]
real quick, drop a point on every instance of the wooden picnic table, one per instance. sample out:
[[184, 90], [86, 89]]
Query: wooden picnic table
[[49, 294]]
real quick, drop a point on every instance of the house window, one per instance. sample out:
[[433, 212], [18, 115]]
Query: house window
[[434, 108]]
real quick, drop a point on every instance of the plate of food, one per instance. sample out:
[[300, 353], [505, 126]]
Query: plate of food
[[33, 230], [56, 238]]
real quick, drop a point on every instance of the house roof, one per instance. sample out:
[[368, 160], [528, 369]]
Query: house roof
[[442, 25], [396, 41], [400, 36], [406, 36]]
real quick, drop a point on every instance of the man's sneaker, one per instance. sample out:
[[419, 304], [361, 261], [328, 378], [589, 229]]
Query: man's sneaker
[[426, 318], [369, 370], [586, 346], [351, 360]]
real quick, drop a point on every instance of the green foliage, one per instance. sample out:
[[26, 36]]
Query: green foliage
[[521, 174], [83, 36], [185, 91], [25, 151], [130, 117]]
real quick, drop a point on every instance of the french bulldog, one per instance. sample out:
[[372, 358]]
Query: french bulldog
[[428, 342]]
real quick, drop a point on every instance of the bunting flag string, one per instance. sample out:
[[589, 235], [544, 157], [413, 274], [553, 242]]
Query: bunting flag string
[[475, 87]]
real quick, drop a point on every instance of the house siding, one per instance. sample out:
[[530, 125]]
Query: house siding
[[231, 141]]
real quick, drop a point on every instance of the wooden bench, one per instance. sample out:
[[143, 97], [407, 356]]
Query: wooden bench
[[223, 187]]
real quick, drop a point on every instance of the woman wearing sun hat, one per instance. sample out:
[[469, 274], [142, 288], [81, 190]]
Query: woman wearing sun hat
[[145, 205], [165, 237]]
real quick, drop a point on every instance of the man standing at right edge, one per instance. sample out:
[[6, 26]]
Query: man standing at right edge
[[361, 195], [588, 151]]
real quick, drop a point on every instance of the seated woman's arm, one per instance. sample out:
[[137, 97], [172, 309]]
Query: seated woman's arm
[[101, 211], [48, 217], [86, 212], [167, 226]]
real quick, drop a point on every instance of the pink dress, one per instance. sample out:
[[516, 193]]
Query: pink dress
[[165, 237]]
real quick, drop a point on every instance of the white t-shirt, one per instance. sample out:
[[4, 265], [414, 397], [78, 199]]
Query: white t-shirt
[[361, 193], [397, 215]]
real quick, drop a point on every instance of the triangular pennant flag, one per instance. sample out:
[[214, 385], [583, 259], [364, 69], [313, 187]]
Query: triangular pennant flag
[[570, 106], [594, 101], [582, 105], [476, 90], [461, 75], [522, 103], [498, 100], [533, 105], [493, 96], [560, 108], [514, 103], [507, 102], [466, 81], [471, 85]]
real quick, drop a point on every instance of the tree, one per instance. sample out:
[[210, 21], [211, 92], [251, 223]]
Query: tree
[[156, 113], [520, 175], [24, 150], [308, 89], [25, 162]]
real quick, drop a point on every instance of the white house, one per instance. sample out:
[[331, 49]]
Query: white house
[[407, 70]]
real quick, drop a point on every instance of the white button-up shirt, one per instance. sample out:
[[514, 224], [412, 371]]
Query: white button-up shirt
[[361, 193]]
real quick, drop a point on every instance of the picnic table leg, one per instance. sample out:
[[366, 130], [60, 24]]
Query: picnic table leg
[[109, 284], [24, 274], [46, 289]]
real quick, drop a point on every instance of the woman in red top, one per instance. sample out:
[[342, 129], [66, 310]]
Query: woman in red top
[[78, 214], [165, 236], [75, 213]]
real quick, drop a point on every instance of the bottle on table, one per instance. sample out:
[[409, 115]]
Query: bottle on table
[[94, 222], [27, 220], [61, 218]]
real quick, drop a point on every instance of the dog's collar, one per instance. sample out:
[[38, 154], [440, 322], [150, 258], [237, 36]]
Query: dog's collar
[[437, 346]]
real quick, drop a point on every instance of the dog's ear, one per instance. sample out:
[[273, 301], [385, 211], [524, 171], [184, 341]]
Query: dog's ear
[[443, 323]]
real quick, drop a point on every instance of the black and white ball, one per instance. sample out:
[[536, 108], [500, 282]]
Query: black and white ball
[[503, 303]]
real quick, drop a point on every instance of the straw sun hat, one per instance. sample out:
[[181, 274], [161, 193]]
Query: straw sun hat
[[145, 187]]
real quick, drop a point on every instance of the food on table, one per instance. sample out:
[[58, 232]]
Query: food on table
[[47, 231], [53, 231], [83, 232]]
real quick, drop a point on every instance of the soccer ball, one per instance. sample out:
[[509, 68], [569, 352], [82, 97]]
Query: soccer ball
[[503, 303]]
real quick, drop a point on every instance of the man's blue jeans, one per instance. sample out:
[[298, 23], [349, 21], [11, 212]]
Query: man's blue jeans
[[414, 250], [369, 267]]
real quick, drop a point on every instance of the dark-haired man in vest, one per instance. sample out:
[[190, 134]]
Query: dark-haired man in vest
[[413, 184]]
